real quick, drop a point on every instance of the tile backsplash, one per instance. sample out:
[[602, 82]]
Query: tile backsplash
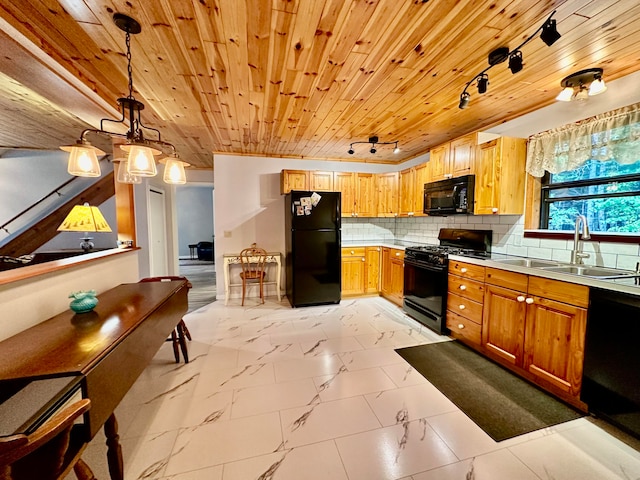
[[508, 237]]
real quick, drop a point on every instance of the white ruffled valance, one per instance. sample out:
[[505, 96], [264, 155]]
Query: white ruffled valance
[[613, 135]]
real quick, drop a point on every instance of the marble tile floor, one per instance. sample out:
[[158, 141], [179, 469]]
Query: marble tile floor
[[275, 393]]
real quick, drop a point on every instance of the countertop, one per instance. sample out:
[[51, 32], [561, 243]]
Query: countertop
[[626, 285]]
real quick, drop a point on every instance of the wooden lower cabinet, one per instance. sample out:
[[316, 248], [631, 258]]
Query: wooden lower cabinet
[[372, 262], [392, 287], [465, 302], [538, 327], [353, 271]]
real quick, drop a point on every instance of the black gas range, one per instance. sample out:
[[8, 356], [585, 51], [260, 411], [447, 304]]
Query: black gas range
[[425, 273]]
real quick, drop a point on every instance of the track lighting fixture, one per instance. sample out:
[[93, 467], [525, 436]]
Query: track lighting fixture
[[582, 85], [374, 141], [515, 61], [549, 35], [483, 81], [140, 162]]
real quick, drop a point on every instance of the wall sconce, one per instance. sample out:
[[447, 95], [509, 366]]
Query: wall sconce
[[83, 159], [582, 85], [549, 36], [374, 141]]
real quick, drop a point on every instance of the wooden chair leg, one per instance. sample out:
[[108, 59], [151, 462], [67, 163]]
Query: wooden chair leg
[[185, 329], [82, 471], [183, 342], [244, 287], [174, 342]]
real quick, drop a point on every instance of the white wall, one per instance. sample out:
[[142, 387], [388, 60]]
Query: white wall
[[28, 302]]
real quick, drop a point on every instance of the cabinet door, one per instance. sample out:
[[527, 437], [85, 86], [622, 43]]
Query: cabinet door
[[407, 192], [439, 159], [294, 180], [353, 279], [396, 291], [554, 343], [385, 278], [321, 181], [422, 176], [344, 182], [503, 323], [372, 270], [462, 152], [486, 193], [387, 184], [366, 202]]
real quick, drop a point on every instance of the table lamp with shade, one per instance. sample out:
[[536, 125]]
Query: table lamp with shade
[[85, 218]]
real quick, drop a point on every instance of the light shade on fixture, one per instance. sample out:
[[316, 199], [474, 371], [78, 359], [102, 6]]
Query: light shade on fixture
[[85, 218], [464, 100], [174, 170], [515, 61], [123, 173], [83, 159], [396, 150], [581, 85], [483, 81], [140, 161], [549, 33]]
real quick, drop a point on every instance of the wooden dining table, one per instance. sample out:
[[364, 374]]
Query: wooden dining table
[[96, 355]]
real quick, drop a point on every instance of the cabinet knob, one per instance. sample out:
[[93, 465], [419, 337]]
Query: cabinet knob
[[352, 252], [410, 214], [520, 298], [529, 300], [377, 249], [363, 259], [355, 214], [461, 326], [462, 287], [494, 210], [463, 270], [397, 254], [461, 307]]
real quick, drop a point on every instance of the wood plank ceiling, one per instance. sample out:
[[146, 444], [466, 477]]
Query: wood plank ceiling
[[295, 78]]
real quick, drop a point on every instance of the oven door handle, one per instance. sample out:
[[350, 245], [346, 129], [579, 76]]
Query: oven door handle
[[431, 268]]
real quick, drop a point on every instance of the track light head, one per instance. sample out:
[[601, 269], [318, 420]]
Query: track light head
[[549, 33], [483, 82], [373, 150], [515, 61], [396, 150], [350, 151], [464, 100]]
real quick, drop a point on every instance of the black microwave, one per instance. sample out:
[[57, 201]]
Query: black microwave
[[450, 197]]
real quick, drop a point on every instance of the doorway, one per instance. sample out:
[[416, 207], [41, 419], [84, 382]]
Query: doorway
[[158, 262]]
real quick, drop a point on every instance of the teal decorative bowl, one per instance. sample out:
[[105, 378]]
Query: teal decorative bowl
[[83, 301]]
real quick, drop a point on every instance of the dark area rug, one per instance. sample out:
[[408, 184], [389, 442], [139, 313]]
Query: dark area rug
[[498, 401]]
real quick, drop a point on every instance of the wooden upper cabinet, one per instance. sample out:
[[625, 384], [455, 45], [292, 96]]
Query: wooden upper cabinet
[[320, 181], [387, 184], [500, 177], [439, 160], [422, 176], [407, 191], [365, 195], [462, 154], [344, 182], [294, 180]]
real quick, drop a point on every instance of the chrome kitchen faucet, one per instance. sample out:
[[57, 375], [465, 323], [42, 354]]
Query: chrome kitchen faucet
[[577, 254]]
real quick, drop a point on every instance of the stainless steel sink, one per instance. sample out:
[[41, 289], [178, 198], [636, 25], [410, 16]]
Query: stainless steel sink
[[529, 262], [591, 271]]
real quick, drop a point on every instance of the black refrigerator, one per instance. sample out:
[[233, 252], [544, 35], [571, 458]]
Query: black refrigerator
[[312, 241]]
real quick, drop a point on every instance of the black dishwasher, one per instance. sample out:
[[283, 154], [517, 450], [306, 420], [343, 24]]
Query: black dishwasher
[[611, 378]]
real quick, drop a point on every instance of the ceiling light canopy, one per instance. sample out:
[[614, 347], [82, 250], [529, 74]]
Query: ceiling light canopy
[[140, 162], [374, 141], [582, 85], [549, 35]]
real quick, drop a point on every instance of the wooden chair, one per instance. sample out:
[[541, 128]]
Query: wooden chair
[[181, 332], [50, 452], [253, 260]]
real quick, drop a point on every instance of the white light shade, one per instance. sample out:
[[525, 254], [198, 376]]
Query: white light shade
[[174, 171], [597, 87], [565, 95], [123, 174], [396, 150], [140, 159], [583, 94], [83, 160]]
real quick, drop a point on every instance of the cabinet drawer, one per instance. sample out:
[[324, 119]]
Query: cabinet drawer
[[465, 307], [466, 288], [467, 270], [559, 291], [462, 327], [353, 251], [506, 279]]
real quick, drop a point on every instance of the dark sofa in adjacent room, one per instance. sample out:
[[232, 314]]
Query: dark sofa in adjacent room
[[205, 251]]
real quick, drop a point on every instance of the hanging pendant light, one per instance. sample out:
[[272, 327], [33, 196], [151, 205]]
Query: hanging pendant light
[[83, 159], [174, 170], [123, 173]]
